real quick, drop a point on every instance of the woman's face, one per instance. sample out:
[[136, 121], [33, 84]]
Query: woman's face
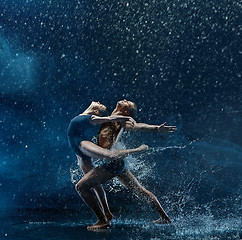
[[124, 106], [98, 106]]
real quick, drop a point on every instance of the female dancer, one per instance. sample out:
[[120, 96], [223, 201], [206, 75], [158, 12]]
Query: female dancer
[[107, 135], [80, 132]]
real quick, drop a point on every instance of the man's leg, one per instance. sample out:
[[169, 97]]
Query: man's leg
[[93, 178], [129, 180], [102, 198]]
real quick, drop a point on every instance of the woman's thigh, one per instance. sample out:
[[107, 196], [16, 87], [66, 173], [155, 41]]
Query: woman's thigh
[[94, 151]]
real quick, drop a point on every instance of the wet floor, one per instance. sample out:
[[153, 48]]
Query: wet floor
[[29, 224]]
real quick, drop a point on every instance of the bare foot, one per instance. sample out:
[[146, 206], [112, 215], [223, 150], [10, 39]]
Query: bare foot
[[99, 225], [109, 215], [142, 148], [162, 221]]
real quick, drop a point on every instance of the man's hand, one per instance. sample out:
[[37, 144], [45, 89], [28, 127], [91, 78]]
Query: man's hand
[[164, 128], [129, 124]]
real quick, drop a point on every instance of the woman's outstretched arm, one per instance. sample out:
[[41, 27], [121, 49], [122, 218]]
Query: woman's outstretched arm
[[115, 118]]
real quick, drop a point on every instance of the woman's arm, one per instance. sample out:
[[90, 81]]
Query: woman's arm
[[115, 118], [149, 128]]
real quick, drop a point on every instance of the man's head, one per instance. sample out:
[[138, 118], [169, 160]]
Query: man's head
[[127, 108]]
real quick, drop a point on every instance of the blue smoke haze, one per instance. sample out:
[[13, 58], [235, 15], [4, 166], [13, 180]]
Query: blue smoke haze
[[180, 61]]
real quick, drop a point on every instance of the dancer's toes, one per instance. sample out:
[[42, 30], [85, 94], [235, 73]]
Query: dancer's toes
[[99, 225], [142, 148]]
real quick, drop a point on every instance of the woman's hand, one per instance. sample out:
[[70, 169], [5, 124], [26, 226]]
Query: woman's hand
[[130, 123]]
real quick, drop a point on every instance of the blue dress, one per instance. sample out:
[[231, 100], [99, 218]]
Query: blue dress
[[80, 129]]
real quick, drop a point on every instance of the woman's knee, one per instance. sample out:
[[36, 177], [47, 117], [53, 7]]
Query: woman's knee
[[81, 187], [77, 187]]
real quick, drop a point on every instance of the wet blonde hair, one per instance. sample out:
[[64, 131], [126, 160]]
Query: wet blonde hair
[[108, 132], [133, 111]]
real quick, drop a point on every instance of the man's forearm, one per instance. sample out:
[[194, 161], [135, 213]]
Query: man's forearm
[[144, 127]]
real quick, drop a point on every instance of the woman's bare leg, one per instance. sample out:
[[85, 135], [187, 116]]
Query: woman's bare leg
[[93, 178], [94, 151], [86, 165], [129, 180]]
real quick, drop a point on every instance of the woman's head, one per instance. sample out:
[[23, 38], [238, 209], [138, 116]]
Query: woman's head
[[126, 108], [97, 108]]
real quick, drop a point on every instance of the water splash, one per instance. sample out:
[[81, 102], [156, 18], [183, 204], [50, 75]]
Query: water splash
[[137, 165], [161, 149], [75, 173]]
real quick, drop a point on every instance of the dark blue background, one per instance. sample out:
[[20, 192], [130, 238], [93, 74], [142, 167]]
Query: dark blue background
[[180, 61]]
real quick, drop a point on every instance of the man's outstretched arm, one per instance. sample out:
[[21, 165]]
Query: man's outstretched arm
[[149, 128]]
